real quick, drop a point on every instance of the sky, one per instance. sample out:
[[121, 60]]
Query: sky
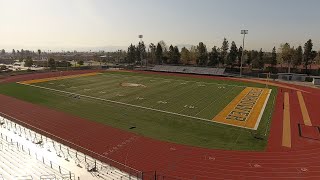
[[111, 24]]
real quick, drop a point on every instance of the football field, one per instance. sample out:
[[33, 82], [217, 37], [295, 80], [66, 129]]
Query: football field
[[185, 110]]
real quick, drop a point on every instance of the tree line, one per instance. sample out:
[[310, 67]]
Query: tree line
[[227, 55]]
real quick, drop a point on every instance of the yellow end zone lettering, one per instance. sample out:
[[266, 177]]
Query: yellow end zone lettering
[[246, 109]]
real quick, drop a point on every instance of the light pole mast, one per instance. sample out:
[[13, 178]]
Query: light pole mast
[[244, 32]]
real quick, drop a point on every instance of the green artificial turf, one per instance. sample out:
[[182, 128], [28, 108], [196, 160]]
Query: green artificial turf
[[168, 108]]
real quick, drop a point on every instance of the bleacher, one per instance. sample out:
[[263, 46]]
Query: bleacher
[[25, 154], [189, 70]]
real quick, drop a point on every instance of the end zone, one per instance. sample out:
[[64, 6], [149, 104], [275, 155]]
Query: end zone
[[246, 109]]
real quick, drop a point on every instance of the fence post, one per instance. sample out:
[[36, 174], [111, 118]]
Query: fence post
[[59, 169]]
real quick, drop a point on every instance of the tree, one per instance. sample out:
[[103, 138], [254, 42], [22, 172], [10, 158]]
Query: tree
[[13, 53], [308, 54], [232, 55], [3, 67], [177, 55], [163, 46], [29, 62], [171, 54], [80, 62], [39, 52], [52, 63], [224, 51], [22, 54], [153, 49], [131, 55], [249, 58], [3, 52], [255, 58], [240, 56], [261, 59], [214, 57], [140, 52], [202, 55], [142, 49], [273, 58], [286, 54], [159, 54], [193, 54], [317, 59], [185, 55], [165, 55], [297, 56]]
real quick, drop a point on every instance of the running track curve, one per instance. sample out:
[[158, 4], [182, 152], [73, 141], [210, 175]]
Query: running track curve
[[174, 161]]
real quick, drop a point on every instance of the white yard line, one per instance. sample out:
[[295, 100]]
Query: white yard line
[[222, 95], [153, 78], [131, 105]]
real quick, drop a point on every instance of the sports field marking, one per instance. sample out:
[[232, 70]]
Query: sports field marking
[[246, 109], [286, 129], [57, 78], [304, 111], [131, 105], [222, 95], [181, 80]]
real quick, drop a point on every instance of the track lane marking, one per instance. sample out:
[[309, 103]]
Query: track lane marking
[[304, 110], [286, 129]]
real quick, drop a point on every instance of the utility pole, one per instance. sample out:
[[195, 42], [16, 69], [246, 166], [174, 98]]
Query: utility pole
[[244, 32]]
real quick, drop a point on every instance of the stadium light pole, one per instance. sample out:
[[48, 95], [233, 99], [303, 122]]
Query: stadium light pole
[[244, 32]]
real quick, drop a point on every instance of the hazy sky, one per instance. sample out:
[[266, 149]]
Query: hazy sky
[[91, 24]]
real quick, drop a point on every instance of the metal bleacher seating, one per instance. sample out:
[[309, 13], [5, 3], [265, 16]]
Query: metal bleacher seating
[[189, 70], [22, 157]]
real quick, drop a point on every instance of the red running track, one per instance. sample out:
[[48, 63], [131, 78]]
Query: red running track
[[174, 161]]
